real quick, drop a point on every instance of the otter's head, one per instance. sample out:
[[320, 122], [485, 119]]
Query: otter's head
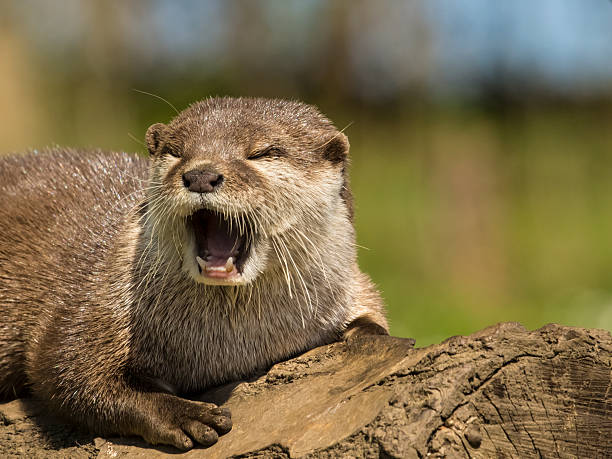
[[234, 179]]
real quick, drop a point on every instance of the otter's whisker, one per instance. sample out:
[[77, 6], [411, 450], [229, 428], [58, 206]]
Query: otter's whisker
[[300, 234], [297, 271]]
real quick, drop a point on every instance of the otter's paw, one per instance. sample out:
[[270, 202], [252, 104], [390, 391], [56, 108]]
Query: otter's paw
[[180, 422], [363, 326]]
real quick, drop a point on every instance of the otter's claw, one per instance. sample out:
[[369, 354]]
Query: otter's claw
[[180, 422]]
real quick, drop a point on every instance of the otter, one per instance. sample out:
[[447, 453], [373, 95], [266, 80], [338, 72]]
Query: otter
[[128, 283]]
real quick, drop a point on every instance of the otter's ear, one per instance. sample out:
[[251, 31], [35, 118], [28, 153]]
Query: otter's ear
[[154, 136], [336, 148]]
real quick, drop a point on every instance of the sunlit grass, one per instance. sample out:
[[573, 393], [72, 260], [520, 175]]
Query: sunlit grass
[[473, 222]]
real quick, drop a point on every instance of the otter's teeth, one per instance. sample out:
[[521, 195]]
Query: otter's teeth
[[201, 263], [229, 265]]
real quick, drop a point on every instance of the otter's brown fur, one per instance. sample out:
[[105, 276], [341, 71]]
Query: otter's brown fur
[[105, 312]]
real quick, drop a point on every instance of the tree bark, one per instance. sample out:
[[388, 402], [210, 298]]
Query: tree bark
[[501, 392]]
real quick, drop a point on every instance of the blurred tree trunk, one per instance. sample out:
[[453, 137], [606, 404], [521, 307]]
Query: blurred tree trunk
[[333, 70], [19, 88]]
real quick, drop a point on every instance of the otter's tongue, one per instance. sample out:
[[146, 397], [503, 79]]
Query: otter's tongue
[[218, 245], [220, 242]]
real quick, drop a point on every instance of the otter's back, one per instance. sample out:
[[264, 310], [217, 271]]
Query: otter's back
[[51, 197]]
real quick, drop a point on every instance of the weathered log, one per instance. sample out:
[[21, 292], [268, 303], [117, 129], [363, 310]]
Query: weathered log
[[502, 392]]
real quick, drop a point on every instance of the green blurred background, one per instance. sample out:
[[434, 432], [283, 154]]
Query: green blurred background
[[481, 132]]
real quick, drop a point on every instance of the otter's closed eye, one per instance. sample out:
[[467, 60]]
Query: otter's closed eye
[[269, 152], [167, 150]]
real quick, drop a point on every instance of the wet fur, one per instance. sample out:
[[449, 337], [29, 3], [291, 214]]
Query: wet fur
[[101, 314]]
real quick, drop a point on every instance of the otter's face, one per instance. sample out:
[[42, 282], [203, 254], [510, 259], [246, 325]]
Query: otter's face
[[233, 179]]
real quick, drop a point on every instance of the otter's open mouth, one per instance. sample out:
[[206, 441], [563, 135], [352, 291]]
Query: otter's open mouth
[[221, 249]]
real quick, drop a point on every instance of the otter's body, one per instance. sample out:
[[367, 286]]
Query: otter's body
[[125, 281]]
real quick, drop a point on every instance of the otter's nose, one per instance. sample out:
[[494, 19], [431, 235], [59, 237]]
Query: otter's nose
[[202, 181]]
